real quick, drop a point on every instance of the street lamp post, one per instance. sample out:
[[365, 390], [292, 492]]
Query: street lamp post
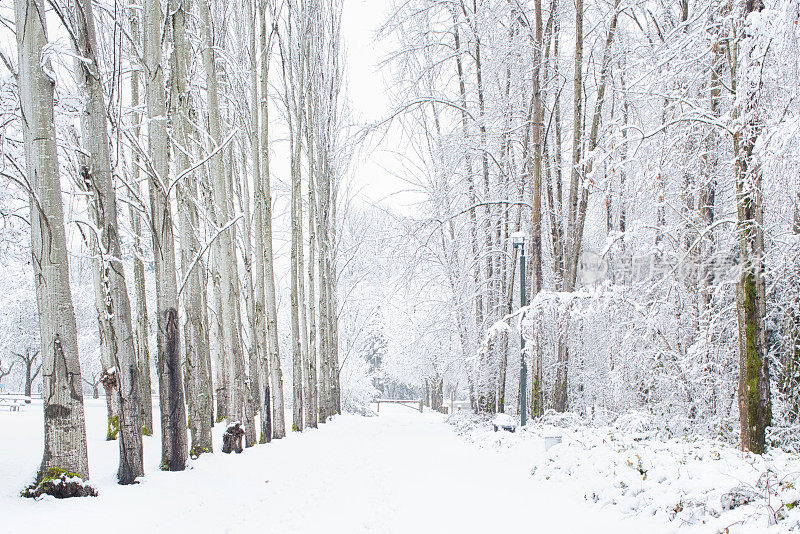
[[518, 239]]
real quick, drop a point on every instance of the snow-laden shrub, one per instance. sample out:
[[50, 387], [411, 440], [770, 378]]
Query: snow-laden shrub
[[562, 420], [635, 422], [357, 386], [626, 355]]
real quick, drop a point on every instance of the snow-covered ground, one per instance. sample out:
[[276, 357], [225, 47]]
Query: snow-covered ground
[[676, 485], [401, 472]]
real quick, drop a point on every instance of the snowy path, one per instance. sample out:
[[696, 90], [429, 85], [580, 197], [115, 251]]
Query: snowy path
[[402, 472]]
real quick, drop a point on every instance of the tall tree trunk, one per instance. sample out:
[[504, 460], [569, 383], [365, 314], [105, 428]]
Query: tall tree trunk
[[333, 306], [312, 112], [254, 356], [576, 210], [311, 365], [571, 245], [239, 375], [96, 176], [297, 340], [104, 329], [488, 400], [173, 411], [276, 374], [221, 356], [224, 255], [64, 427], [323, 198], [259, 54], [142, 322], [472, 197], [755, 410], [196, 327]]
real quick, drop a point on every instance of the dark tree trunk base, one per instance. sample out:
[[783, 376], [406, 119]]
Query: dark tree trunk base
[[61, 485]]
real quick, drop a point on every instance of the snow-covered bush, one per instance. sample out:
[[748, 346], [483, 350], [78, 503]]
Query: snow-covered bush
[[358, 389]]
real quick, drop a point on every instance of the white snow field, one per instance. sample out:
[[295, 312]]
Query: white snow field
[[400, 472]]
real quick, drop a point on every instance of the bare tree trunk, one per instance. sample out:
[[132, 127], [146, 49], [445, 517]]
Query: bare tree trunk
[[472, 195], [96, 176], [254, 357], [28, 359], [297, 341], [173, 411], [324, 321], [239, 374], [221, 357], [311, 366], [64, 427], [487, 400], [142, 323], [708, 188], [260, 327], [536, 210], [294, 95], [576, 216], [755, 409], [333, 307], [312, 131], [104, 328], [276, 374], [196, 327], [259, 363], [571, 245], [224, 255]]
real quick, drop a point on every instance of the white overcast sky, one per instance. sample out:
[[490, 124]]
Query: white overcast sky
[[369, 102]]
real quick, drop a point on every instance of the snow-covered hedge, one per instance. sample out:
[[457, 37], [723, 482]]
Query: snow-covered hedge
[[697, 485]]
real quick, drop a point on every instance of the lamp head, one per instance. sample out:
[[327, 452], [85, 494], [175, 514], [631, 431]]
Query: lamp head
[[518, 239]]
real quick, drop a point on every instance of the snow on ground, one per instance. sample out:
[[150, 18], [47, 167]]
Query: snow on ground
[[680, 485], [401, 472]]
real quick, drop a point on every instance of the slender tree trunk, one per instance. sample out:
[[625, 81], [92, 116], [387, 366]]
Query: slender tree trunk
[[259, 324], [488, 397], [253, 355], [471, 192], [224, 255], [576, 216], [297, 341], [64, 427], [258, 54], [324, 322], [96, 176], [333, 306], [239, 376], [276, 374], [312, 129], [221, 356], [571, 245], [142, 322], [755, 410], [311, 368], [171, 398], [196, 327], [104, 328]]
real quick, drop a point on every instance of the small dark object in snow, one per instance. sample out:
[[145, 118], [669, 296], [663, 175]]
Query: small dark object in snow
[[737, 497], [232, 438], [504, 422]]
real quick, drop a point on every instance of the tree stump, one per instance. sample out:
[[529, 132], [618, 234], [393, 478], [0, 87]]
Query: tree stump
[[232, 438]]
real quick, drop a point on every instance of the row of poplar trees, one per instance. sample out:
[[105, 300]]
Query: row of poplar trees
[[197, 134]]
